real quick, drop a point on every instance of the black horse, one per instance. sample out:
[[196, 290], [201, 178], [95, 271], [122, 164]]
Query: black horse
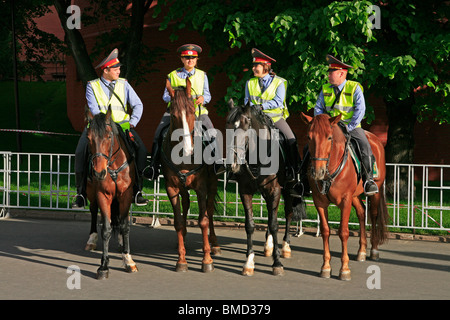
[[256, 160]]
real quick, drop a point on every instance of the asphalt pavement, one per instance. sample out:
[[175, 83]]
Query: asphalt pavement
[[42, 259]]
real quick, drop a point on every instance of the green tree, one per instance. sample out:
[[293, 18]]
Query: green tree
[[405, 61]]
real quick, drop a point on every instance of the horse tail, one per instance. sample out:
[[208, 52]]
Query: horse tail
[[381, 232]]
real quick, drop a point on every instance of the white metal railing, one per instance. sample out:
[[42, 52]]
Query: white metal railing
[[46, 181]]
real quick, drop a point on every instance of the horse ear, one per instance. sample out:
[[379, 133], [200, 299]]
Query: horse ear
[[108, 113], [306, 119], [230, 104], [88, 114], [169, 88], [188, 87], [335, 120]]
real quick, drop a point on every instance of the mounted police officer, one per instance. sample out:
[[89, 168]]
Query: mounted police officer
[[267, 91], [201, 95], [345, 97], [110, 90]]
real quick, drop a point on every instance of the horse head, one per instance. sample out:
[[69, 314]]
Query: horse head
[[100, 133], [182, 111], [248, 124], [320, 142]]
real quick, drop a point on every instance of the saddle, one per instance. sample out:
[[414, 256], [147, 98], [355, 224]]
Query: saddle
[[355, 153]]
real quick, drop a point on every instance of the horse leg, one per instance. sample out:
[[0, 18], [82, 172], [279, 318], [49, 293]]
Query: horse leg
[[203, 222], [93, 236], [180, 228], [249, 266], [128, 263], [361, 213], [268, 245], [344, 273], [210, 208], [272, 209], [325, 271], [288, 213], [103, 270]]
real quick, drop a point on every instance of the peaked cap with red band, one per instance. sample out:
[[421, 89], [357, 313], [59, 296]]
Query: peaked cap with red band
[[110, 61], [189, 50], [335, 64], [259, 57]]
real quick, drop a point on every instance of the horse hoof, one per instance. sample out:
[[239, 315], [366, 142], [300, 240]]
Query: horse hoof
[[374, 255], [181, 267], [248, 272], [345, 275], [215, 251], [325, 273], [131, 269], [278, 271], [268, 252], [207, 267], [361, 257], [90, 247], [102, 274], [286, 254]]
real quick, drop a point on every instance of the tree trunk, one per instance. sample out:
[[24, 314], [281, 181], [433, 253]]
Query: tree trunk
[[134, 42], [76, 44], [400, 142]]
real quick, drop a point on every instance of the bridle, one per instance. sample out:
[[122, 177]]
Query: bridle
[[109, 158], [329, 178]]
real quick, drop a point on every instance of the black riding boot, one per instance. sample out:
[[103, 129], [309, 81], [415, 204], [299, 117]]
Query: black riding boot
[[293, 162], [370, 187], [151, 172], [80, 198]]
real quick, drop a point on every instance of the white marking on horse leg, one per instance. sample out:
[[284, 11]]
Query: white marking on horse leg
[[268, 246], [91, 244], [286, 250], [127, 260]]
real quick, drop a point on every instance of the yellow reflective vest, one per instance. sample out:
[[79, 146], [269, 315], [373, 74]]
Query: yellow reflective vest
[[197, 83], [345, 105], [119, 112], [256, 97]]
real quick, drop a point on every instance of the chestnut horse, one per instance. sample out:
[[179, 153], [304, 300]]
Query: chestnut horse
[[182, 174], [110, 187], [244, 121], [331, 167]]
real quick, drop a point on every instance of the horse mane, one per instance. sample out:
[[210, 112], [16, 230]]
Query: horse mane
[[98, 125], [322, 125], [181, 102], [255, 113]]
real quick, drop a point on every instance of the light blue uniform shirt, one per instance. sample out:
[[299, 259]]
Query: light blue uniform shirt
[[131, 97], [358, 101], [276, 102], [183, 74]]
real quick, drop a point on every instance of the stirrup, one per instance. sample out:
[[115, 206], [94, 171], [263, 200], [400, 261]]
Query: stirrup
[[136, 198], [370, 188], [150, 173], [75, 205], [219, 168]]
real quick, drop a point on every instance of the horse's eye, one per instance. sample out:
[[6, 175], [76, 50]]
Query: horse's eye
[[330, 138]]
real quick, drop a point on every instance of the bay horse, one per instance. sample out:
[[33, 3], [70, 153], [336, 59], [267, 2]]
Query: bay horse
[[110, 186], [333, 179], [251, 178], [186, 175]]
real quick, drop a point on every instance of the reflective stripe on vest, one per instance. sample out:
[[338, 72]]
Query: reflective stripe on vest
[[256, 97], [197, 83], [345, 105], [119, 115]]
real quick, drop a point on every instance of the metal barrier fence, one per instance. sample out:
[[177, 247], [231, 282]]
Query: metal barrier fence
[[421, 200]]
